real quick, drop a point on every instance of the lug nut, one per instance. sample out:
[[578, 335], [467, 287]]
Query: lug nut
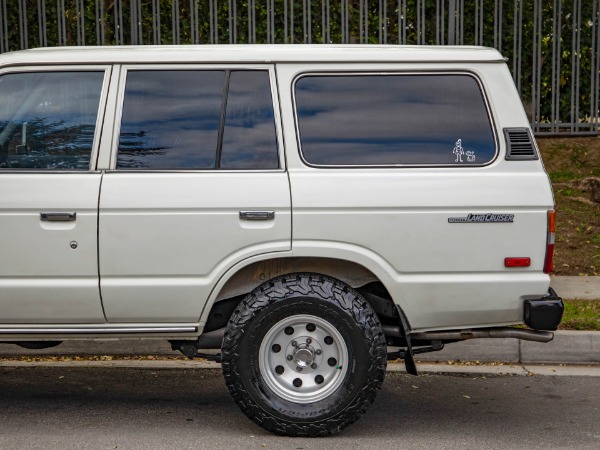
[[313, 366], [308, 340], [294, 344], [289, 357], [318, 351], [299, 369]]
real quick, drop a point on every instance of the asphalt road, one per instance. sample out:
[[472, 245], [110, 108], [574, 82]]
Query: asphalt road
[[119, 408]]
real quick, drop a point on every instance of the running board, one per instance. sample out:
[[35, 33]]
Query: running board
[[96, 329]]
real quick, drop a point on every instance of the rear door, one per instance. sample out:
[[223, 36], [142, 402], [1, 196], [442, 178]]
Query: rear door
[[49, 191], [197, 184]]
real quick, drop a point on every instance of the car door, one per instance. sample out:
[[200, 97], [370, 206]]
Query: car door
[[49, 192], [196, 185]]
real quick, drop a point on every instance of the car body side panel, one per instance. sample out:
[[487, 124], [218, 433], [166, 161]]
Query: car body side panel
[[444, 275]]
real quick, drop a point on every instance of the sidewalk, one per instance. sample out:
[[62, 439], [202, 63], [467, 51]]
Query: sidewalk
[[584, 288]]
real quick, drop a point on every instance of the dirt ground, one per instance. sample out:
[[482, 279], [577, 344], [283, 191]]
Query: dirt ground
[[573, 164]]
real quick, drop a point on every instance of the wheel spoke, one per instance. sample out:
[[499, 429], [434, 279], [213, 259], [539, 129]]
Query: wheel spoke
[[300, 358]]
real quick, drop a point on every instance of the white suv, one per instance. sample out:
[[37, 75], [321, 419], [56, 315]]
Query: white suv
[[302, 208]]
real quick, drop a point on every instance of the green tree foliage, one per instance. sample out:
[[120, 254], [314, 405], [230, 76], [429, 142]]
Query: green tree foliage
[[551, 45]]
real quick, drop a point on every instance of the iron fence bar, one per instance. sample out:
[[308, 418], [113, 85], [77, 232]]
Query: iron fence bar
[[547, 35], [175, 22], [451, 20], [215, 21], [194, 22], [577, 67], [42, 23], [156, 28], [23, 24], [596, 85], [555, 77], [3, 27]]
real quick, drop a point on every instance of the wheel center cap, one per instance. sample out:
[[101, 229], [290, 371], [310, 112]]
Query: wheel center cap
[[303, 356]]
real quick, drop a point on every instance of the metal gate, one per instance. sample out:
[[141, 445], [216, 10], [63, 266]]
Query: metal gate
[[552, 46]]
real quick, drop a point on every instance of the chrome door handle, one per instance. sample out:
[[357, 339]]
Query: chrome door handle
[[257, 215], [58, 216]]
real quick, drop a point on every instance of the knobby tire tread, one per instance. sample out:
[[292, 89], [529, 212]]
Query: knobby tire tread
[[327, 289]]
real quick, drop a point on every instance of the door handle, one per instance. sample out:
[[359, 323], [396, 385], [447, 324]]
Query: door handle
[[257, 215], [58, 216]]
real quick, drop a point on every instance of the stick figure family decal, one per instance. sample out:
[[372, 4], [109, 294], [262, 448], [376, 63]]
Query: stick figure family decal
[[459, 152]]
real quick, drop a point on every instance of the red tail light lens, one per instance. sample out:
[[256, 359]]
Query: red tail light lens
[[549, 261], [517, 262]]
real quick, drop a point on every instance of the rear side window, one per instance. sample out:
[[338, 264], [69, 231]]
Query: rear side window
[[197, 119], [396, 119], [48, 119]]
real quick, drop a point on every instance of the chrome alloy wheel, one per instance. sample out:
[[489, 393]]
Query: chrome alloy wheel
[[303, 359]]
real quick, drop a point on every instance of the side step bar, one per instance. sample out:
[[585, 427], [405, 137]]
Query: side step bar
[[463, 335], [97, 329], [503, 332]]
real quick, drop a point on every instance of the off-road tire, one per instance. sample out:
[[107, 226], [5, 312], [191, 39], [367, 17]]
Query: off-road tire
[[299, 295]]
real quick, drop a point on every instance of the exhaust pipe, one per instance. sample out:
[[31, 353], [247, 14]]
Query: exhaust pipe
[[482, 333]]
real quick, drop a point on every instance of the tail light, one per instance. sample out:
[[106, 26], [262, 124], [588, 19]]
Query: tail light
[[549, 261]]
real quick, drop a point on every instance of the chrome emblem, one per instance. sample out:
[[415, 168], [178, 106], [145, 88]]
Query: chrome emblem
[[483, 218]]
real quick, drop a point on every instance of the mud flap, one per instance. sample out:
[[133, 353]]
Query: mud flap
[[408, 354]]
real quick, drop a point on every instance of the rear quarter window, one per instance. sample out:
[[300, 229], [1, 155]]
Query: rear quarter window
[[393, 119]]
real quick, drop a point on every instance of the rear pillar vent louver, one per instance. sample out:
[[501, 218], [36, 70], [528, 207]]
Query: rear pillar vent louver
[[519, 144]]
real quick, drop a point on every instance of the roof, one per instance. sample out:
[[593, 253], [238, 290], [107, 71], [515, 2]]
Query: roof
[[245, 53]]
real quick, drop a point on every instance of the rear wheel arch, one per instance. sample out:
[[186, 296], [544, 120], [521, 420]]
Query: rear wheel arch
[[240, 281]]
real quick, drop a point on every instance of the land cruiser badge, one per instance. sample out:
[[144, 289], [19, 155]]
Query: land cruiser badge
[[483, 218]]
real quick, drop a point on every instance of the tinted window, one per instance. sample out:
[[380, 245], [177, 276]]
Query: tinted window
[[393, 119], [181, 120], [170, 119], [249, 140], [48, 120]]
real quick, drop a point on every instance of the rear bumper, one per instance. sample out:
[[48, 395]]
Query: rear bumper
[[544, 313]]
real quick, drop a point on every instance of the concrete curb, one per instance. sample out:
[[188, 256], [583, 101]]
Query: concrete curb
[[568, 347], [424, 368]]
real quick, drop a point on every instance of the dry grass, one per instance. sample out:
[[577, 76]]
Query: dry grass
[[568, 161]]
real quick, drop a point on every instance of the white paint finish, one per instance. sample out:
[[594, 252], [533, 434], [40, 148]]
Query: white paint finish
[[252, 54], [467, 299], [165, 238], [394, 220], [42, 279], [403, 217]]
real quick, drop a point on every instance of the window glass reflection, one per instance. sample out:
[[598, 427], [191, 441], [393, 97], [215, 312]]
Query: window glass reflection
[[170, 119], [393, 119], [249, 140], [48, 119]]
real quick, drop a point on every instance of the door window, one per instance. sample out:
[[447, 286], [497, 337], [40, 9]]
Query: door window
[[48, 119], [197, 119]]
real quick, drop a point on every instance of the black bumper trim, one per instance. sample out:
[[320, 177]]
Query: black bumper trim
[[544, 313]]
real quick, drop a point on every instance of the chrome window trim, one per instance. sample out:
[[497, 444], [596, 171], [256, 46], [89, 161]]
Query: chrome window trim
[[125, 68], [472, 74]]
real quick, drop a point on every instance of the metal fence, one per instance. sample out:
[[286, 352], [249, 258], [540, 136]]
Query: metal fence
[[552, 46]]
